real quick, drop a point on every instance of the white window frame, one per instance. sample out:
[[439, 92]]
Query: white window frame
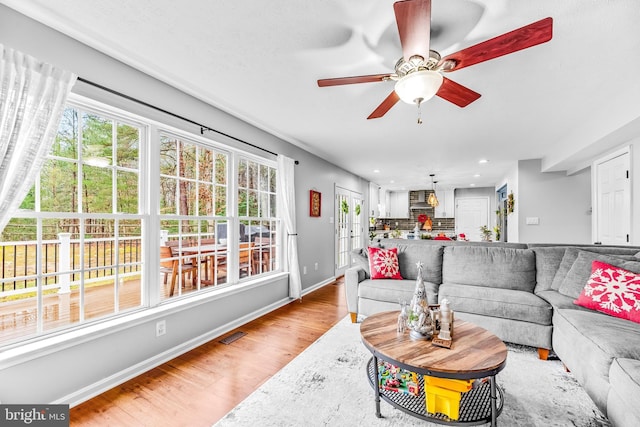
[[149, 215]]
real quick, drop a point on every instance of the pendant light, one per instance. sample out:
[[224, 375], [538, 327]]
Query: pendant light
[[433, 200]]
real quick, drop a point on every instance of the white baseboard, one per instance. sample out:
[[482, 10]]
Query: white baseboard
[[318, 285], [97, 388], [86, 393]]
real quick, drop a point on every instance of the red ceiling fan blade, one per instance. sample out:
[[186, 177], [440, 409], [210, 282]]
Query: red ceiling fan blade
[[456, 93], [528, 36], [414, 26], [386, 105], [352, 80]]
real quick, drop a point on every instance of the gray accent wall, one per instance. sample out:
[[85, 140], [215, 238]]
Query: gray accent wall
[[560, 202], [76, 366]]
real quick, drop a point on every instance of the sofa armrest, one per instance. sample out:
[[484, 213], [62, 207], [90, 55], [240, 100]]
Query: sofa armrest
[[352, 278]]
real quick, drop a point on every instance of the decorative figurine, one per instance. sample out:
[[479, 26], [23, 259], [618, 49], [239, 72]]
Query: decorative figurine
[[419, 314], [445, 320], [403, 317]]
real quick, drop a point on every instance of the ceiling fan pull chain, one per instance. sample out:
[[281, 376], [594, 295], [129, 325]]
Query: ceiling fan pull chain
[[419, 114]]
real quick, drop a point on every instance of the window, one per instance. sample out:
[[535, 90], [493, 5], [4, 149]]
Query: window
[[193, 207], [76, 252], [257, 215], [73, 254]]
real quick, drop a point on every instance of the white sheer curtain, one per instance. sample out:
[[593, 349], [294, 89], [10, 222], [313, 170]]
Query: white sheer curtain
[[32, 98], [287, 204]]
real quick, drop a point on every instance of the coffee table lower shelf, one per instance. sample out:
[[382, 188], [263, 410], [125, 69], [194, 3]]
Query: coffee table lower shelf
[[475, 405]]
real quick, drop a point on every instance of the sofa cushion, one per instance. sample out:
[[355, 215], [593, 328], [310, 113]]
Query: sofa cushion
[[571, 254], [557, 300], [622, 402], [394, 291], [587, 342], [383, 263], [612, 290], [360, 258], [411, 252], [495, 302], [613, 336], [577, 276], [548, 261], [493, 267]]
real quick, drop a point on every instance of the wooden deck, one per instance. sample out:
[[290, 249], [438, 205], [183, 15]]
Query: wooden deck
[[18, 318]]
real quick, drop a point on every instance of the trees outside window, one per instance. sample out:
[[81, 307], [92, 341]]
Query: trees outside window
[[77, 251], [73, 253]]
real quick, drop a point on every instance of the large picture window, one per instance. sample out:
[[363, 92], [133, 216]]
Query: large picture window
[[77, 251], [73, 253]]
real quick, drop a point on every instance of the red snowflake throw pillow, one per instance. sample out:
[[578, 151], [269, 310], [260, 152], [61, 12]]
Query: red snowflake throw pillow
[[383, 263], [612, 290]]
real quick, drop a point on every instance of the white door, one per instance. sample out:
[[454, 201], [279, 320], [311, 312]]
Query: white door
[[613, 200], [350, 221], [471, 214]]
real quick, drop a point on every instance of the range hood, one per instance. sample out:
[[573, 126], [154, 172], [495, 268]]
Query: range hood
[[422, 201]]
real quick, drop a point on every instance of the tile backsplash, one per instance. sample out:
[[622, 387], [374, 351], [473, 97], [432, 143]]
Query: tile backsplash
[[446, 225]]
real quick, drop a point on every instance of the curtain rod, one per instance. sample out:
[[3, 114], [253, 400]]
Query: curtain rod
[[203, 128]]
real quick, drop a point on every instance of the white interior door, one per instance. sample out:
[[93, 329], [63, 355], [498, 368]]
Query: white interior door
[[349, 214], [471, 214], [613, 200]]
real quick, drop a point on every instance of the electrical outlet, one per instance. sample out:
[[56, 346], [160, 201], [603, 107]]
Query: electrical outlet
[[316, 266], [304, 270], [161, 328]]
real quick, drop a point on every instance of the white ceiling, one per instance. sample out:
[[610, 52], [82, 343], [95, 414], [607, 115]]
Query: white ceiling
[[563, 101]]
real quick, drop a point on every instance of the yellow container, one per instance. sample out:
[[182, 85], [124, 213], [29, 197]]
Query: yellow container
[[456, 385], [443, 401]]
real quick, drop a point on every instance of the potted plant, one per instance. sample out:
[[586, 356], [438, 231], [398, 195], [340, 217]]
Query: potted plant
[[486, 233]]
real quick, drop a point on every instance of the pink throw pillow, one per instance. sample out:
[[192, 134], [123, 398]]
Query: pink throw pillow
[[612, 290], [383, 263]]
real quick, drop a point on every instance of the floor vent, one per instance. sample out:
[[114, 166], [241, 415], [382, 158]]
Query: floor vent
[[233, 337]]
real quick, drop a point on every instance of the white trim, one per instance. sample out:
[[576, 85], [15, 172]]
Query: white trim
[[118, 378], [148, 169], [40, 347], [626, 150], [318, 285]]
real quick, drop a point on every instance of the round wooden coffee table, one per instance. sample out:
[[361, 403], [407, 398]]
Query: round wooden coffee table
[[475, 353]]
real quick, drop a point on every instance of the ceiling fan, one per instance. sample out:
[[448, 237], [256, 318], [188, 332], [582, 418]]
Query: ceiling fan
[[418, 74]]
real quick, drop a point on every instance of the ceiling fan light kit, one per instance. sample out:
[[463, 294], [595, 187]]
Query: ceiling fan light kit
[[419, 86], [418, 74]]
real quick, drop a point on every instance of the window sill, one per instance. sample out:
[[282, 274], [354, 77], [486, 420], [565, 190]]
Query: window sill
[[39, 347]]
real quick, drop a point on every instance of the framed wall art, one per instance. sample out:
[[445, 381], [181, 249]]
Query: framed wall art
[[315, 203]]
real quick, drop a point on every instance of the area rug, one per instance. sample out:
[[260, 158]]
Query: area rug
[[326, 385]]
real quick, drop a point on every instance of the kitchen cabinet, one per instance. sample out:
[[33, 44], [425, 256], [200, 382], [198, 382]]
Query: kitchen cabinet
[[374, 200], [446, 206], [398, 204]]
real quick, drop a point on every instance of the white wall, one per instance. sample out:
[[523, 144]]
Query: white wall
[[561, 203], [61, 370]]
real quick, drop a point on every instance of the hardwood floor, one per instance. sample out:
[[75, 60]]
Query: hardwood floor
[[201, 386]]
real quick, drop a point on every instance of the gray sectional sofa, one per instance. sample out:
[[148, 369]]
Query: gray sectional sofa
[[524, 294]]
